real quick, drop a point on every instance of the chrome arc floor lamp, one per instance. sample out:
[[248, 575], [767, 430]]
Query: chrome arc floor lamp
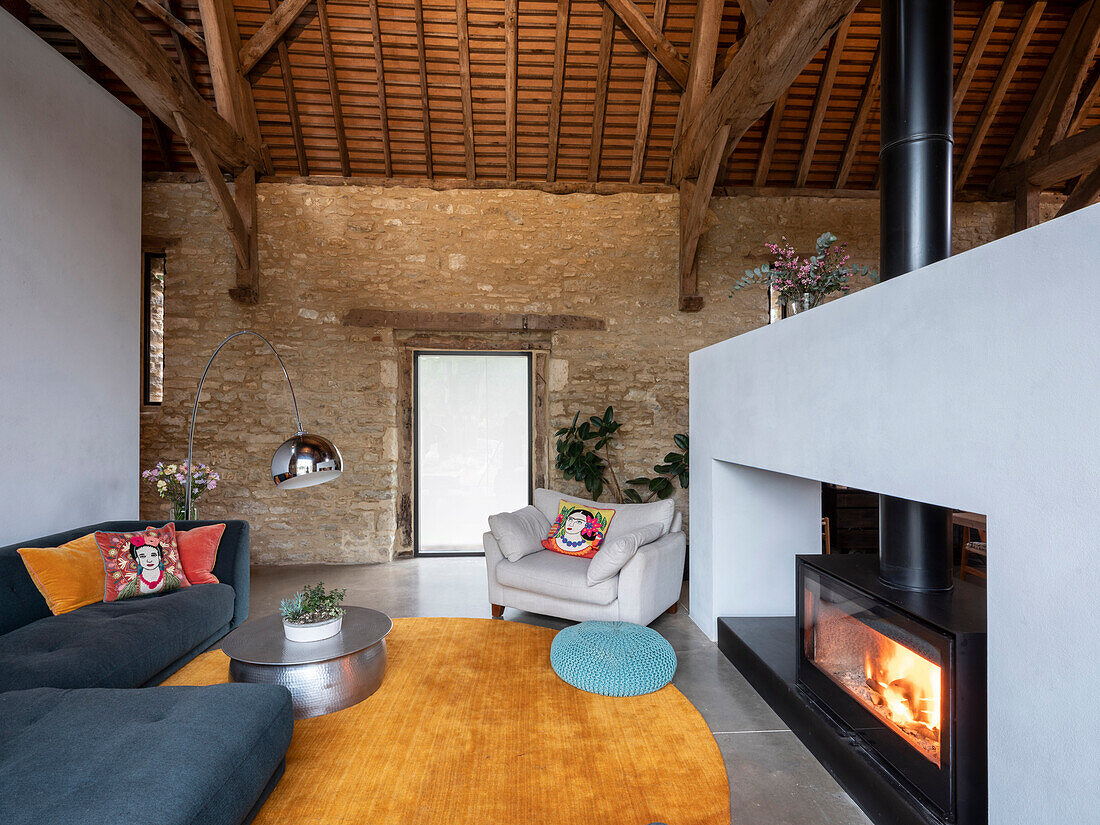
[[303, 460]]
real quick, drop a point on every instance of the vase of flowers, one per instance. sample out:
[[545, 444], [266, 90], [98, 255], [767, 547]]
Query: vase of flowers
[[312, 614], [170, 481], [804, 282]]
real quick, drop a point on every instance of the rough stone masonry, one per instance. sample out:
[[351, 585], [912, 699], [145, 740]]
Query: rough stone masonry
[[327, 249]]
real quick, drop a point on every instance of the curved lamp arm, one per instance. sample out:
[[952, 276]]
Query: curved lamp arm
[[195, 407]]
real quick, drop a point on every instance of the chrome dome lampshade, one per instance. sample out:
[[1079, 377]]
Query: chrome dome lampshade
[[305, 460]]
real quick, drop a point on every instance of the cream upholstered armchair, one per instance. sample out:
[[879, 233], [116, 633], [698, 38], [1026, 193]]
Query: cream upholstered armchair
[[635, 576]]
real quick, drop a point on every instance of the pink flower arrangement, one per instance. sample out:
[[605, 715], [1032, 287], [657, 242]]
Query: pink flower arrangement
[[171, 481], [816, 276]]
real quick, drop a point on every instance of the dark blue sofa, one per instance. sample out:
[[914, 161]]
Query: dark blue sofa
[[67, 697]]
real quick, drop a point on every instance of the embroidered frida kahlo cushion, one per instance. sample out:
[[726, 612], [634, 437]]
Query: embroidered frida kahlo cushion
[[578, 530], [140, 564]]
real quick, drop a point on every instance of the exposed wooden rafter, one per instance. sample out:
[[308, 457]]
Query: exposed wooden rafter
[[380, 86], [1077, 66], [763, 166], [645, 104], [270, 33], [1085, 192], [422, 65], [333, 88], [821, 102], [997, 93], [772, 55], [1027, 207], [974, 53], [603, 75], [695, 194], [867, 100], [183, 57], [114, 35], [753, 11], [511, 85], [557, 88], [1035, 116], [464, 87], [651, 38], [1069, 158], [165, 16], [291, 101]]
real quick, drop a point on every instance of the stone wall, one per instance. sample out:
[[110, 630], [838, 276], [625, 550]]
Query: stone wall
[[327, 249]]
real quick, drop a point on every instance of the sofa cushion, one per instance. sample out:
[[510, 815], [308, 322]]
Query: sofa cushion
[[141, 563], [578, 531], [553, 574], [520, 533], [170, 755], [614, 555], [69, 576], [198, 549], [628, 517], [119, 644]]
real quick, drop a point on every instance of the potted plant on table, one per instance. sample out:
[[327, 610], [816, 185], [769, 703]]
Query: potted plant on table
[[312, 614]]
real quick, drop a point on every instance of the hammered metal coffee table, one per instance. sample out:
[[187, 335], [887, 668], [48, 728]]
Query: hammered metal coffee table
[[322, 677]]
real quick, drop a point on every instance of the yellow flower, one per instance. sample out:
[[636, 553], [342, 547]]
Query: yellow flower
[[171, 468]]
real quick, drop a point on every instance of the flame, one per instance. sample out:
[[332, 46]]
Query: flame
[[905, 688]]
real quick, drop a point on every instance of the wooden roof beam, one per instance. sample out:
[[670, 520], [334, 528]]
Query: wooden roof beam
[[773, 54], [557, 88], [763, 164], [1069, 158], [974, 53], [603, 75], [511, 73], [333, 89], [174, 24], [1065, 98], [380, 86], [654, 42], [645, 104], [422, 63], [753, 11], [464, 82], [1086, 102], [232, 93], [271, 32], [1085, 192], [291, 100], [997, 93], [1035, 116], [821, 102], [118, 40], [855, 135]]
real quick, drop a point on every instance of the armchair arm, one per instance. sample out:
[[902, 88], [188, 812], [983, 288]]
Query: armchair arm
[[493, 557], [650, 582]]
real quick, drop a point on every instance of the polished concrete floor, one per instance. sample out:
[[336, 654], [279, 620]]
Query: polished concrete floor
[[773, 779]]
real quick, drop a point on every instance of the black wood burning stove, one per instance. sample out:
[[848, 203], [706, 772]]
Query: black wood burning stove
[[901, 672]]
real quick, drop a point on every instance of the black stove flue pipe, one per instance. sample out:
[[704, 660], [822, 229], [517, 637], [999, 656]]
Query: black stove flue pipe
[[915, 214]]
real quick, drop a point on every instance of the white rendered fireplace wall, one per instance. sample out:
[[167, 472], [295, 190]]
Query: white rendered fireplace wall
[[972, 383]]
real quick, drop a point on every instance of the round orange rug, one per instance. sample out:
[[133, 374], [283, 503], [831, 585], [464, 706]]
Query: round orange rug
[[472, 726]]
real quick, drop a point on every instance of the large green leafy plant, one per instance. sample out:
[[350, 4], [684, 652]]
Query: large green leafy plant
[[584, 454]]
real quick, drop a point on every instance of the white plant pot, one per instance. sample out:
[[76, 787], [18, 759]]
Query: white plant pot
[[312, 632]]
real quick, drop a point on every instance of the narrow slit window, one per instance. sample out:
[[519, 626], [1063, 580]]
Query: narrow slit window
[[153, 332]]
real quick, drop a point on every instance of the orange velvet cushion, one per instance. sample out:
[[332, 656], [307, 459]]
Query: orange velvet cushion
[[198, 549], [69, 576]]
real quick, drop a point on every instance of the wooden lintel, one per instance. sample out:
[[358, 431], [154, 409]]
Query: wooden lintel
[[270, 33], [654, 42], [118, 40], [468, 321]]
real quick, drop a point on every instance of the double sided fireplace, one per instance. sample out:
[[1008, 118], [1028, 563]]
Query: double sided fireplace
[[902, 674]]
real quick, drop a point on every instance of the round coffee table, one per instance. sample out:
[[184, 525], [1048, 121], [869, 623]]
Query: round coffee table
[[322, 677]]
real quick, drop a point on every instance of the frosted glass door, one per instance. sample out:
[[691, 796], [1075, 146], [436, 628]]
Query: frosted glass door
[[473, 452]]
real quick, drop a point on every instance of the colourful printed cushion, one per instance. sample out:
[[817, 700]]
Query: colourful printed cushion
[[578, 531], [198, 549], [69, 576], [140, 564]]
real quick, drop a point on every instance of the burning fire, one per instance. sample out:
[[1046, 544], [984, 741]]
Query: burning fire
[[905, 688]]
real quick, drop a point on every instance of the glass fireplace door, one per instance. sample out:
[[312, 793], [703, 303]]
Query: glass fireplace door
[[881, 674]]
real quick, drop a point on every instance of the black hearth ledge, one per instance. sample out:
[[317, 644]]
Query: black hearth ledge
[[764, 649]]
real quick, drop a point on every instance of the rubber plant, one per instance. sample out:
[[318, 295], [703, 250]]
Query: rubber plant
[[584, 454]]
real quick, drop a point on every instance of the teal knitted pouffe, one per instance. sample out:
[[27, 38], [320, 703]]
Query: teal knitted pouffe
[[613, 658]]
